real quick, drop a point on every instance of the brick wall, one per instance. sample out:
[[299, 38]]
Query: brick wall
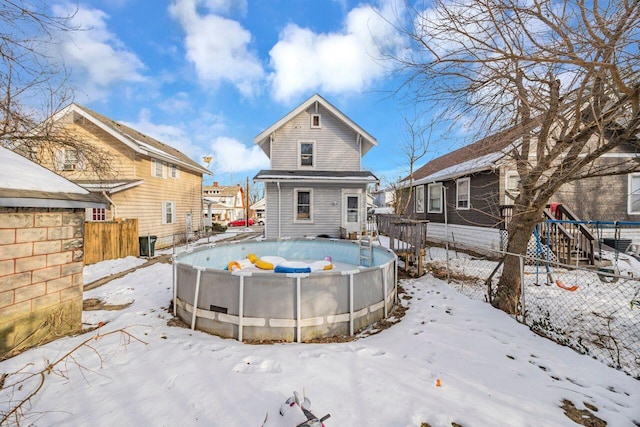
[[41, 261]]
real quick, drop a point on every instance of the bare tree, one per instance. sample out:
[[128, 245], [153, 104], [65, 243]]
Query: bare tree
[[414, 146], [34, 85], [563, 75]]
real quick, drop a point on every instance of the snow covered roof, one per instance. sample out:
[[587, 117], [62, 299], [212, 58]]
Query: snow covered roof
[[465, 168], [24, 183], [316, 176]]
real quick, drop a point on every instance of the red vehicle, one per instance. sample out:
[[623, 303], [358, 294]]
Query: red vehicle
[[240, 223]]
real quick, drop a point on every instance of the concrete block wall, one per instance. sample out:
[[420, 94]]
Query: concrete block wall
[[41, 261]]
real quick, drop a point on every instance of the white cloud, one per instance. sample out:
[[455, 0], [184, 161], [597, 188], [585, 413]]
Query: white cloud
[[231, 155], [218, 47], [348, 60], [97, 57]]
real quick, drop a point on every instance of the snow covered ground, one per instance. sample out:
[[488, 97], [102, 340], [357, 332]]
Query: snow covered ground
[[492, 370]]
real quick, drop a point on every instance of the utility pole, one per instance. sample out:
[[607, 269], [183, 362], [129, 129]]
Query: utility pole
[[247, 204]]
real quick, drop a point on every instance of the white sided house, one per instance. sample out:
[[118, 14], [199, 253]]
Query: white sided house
[[316, 185]]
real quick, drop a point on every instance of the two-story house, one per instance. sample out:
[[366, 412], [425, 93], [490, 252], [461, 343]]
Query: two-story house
[[316, 185], [223, 202], [147, 180]]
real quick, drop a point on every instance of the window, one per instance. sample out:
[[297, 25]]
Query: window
[[419, 207], [98, 214], [435, 198], [352, 209], [174, 171], [157, 168], [306, 154], [511, 187], [315, 121], [463, 192], [67, 159], [303, 205], [168, 212], [634, 193]]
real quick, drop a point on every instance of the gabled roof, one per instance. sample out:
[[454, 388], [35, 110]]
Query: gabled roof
[[368, 141], [224, 190], [480, 155], [133, 139], [24, 183]]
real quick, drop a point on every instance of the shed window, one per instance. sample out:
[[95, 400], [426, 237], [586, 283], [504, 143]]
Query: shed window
[[634, 193], [419, 208], [303, 205], [434, 198], [462, 193], [98, 214], [306, 154]]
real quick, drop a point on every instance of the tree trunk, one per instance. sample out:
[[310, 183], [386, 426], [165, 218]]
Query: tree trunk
[[509, 286]]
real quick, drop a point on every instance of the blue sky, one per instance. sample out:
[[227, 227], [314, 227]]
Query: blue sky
[[207, 76]]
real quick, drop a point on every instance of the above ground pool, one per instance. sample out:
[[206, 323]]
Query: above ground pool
[[322, 290]]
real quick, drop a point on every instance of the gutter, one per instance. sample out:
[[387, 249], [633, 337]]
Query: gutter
[[115, 208]]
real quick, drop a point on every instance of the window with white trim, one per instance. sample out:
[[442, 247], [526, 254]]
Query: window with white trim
[[168, 212], [633, 204], [174, 171], [419, 202], [302, 203], [511, 186], [315, 121], [157, 168], [434, 198], [98, 214], [67, 159], [306, 154], [463, 193]]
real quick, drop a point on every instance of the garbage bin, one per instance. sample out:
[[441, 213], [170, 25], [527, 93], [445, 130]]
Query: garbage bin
[[148, 245]]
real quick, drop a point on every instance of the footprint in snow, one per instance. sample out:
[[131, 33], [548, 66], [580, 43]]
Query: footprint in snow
[[252, 365]]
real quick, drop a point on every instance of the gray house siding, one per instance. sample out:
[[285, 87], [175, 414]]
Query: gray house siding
[[327, 209], [335, 144], [484, 210]]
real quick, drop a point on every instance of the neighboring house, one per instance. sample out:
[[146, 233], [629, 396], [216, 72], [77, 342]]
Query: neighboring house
[[150, 181], [316, 186], [462, 192], [41, 253], [259, 208], [383, 197], [224, 203]]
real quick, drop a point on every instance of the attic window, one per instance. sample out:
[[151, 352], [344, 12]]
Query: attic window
[[315, 121]]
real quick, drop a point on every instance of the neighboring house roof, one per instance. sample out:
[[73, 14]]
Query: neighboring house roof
[[368, 141], [24, 183], [478, 156], [311, 176], [223, 190], [135, 140]]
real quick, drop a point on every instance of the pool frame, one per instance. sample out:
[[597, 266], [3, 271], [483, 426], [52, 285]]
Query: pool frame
[[267, 306]]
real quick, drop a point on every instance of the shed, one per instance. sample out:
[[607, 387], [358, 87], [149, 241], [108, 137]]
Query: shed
[[41, 253]]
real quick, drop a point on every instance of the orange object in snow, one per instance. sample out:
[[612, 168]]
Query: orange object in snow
[[438, 383]]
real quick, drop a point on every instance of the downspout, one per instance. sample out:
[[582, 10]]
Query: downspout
[[279, 211], [115, 208]]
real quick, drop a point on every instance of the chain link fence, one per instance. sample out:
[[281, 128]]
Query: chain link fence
[[594, 311]]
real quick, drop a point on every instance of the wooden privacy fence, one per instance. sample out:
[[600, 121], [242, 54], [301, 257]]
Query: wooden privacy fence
[[110, 240]]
